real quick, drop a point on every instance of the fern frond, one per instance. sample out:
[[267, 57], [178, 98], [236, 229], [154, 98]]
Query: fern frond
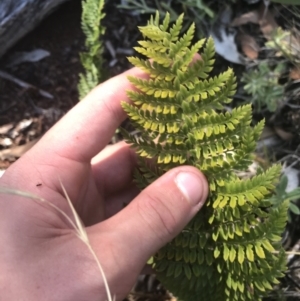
[[202, 67], [231, 250], [184, 59], [176, 28], [92, 61], [157, 89], [181, 45]]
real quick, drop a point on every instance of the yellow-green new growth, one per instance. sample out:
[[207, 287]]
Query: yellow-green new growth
[[231, 250]]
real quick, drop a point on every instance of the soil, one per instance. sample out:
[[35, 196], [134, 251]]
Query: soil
[[25, 115]]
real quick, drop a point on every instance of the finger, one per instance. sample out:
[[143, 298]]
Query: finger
[[120, 200], [154, 217], [113, 168], [89, 126]]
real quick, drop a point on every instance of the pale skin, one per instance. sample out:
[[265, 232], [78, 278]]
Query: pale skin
[[41, 258]]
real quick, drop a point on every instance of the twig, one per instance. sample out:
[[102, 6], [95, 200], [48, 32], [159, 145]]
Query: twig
[[294, 251], [17, 151], [293, 281], [23, 84]]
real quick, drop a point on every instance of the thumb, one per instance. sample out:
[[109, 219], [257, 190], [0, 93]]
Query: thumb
[[165, 207], [159, 213]]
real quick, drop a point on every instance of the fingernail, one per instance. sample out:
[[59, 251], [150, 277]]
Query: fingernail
[[191, 187]]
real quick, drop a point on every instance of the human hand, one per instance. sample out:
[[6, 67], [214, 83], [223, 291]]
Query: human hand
[[41, 258]]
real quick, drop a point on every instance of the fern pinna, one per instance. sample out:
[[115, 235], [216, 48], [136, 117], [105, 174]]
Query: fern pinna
[[231, 250]]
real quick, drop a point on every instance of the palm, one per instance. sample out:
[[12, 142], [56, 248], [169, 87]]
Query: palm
[[90, 190]]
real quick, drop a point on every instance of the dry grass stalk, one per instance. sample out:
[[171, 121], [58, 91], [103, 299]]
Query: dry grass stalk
[[78, 225]]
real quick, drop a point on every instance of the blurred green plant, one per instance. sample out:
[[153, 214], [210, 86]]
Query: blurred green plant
[[92, 59], [281, 195], [262, 83], [194, 10], [199, 5], [287, 2], [286, 43], [141, 7]]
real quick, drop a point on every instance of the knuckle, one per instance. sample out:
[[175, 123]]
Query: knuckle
[[158, 215]]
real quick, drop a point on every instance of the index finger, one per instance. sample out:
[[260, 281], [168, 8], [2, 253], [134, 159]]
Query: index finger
[[87, 128]]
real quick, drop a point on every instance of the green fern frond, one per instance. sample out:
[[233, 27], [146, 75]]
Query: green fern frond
[[92, 60], [231, 250]]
